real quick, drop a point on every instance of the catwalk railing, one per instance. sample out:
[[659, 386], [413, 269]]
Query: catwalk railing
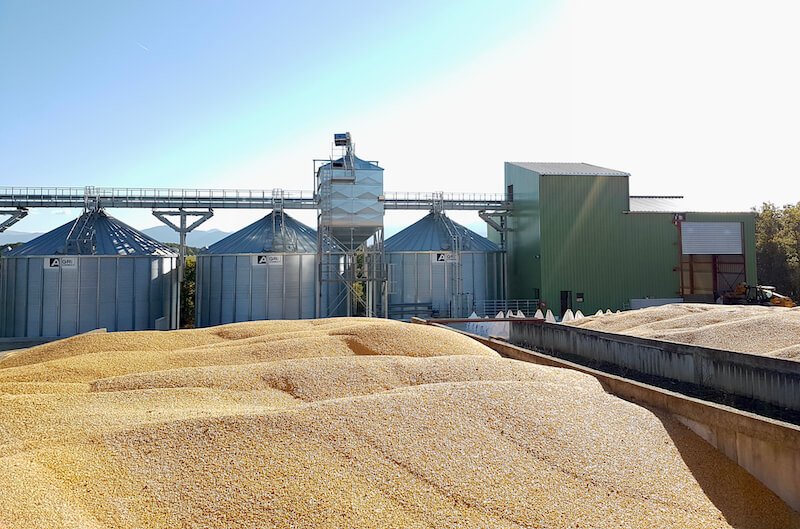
[[128, 197]]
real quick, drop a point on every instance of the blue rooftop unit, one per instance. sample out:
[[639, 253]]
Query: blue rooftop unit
[[276, 232], [435, 233], [93, 233]]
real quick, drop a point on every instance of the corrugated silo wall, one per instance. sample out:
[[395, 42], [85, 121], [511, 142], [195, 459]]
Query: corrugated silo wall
[[114, 292], [250, 287], [3, 297], [420, 278]]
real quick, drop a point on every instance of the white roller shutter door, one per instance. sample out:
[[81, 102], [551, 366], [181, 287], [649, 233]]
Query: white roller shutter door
[[713, 238]]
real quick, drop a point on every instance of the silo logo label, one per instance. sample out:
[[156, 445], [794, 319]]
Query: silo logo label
[[445, 257], [62, 262], [268, 259]]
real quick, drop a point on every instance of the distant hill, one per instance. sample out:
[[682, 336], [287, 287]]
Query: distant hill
[[196, 238], [10, 236]]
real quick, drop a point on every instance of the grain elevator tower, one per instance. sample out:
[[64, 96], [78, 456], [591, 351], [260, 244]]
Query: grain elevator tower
[[352, 270]]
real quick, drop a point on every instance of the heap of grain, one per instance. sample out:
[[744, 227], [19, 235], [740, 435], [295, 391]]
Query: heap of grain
[[769, 331], [342, 423]]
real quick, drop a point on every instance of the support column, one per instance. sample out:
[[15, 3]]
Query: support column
[[182, 228], [501, 227], [498, 220]]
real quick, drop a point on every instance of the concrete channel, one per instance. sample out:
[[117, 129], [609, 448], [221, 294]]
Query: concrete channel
[[768, 449], [762, 384]]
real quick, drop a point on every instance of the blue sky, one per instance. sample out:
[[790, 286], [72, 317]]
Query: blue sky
[[692, 98], [169, 93]]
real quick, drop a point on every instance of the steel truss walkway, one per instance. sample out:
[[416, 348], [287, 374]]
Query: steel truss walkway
[[22, 198]]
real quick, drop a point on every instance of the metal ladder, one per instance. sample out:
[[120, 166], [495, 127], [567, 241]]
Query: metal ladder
[[456, 276], [81, 237]]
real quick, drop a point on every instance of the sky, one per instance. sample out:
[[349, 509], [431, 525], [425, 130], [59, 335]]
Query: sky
[[694, 98]]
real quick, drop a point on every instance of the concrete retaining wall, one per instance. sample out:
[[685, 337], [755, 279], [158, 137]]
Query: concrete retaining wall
[[767, 449], [775, 381]]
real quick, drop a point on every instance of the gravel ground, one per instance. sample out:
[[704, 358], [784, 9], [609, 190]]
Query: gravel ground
[[343, 423]]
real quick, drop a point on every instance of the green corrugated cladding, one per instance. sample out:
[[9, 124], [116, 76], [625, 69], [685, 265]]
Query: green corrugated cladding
[[573, 233], [582, 231], [651, 258], [524, 267]]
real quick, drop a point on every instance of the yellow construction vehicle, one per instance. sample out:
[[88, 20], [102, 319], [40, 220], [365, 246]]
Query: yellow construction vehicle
[[745, 294]]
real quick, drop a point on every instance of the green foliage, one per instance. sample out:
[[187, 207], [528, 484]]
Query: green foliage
[[190, 250], [187, 293], [359, 287], [778, 247], [8, 247]]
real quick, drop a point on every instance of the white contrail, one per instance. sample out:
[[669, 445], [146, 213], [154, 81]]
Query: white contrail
[[145, 48]]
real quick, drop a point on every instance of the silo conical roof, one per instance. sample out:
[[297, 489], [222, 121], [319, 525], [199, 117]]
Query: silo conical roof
[[276, 233], [93, 233], [344, 163], [433, 233]]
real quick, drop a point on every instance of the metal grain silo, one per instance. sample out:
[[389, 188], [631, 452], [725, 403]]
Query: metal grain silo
[[440, 268], [350, 222], [351, 199], [94, 272], [265, 271]]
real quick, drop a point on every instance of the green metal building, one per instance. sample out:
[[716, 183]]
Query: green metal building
[[578, 240]]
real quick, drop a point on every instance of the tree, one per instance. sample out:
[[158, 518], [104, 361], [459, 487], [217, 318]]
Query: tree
[[359, 286], [790, 237], [190, 250], [778, 247], [187, 293], [8, 247]]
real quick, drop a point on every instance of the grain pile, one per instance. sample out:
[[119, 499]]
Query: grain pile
[[769, 331], [342, 423]]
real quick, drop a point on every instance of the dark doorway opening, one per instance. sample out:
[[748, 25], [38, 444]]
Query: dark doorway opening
[[566, 301]]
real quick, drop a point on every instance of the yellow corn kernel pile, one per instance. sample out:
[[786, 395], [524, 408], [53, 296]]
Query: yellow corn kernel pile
[[768, 331], [342, 423]]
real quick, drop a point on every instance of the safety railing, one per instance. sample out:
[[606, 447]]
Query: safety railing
[[467, 201], [142, 197], [491, 307]]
